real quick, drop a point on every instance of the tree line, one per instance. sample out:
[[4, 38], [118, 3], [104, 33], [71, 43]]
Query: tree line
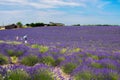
[[39, 24]]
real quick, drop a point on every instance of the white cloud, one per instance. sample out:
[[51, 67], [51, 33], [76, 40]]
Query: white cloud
[[46, 16], [14, 12], [9, 17], [46, 10], [94, 3], [103, 4], [61, 3], [41, 3], [28, 16], [13, 1], [40, 6]]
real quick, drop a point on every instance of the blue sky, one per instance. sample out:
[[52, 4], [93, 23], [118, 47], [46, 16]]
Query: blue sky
[[64, 11]]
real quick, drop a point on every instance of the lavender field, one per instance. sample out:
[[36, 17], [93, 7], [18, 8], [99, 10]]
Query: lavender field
[[60, 53]]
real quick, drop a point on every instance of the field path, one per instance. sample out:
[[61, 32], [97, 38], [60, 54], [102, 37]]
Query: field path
[[60, 75]]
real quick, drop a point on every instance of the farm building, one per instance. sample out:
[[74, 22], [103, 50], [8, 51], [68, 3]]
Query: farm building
[[12, 26], [56, 24], [2, 28]]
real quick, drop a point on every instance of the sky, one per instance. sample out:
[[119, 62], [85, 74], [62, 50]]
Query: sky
[[61, 11]]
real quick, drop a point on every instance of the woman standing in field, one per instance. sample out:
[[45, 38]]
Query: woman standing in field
[[17, 38], [25, 38]]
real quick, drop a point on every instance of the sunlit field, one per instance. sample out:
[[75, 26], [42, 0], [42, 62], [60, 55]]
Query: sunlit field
[[60, 53]]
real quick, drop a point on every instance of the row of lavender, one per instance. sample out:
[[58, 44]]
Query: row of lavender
[[103, 36], [76, 62]]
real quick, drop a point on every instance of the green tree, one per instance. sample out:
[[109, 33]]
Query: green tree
[[19, 24], [27, 24]]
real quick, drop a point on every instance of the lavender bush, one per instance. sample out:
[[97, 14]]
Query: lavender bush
[[30, 60], [3, 59], [17, 75], [43, 75]]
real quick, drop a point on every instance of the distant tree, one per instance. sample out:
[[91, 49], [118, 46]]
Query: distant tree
[[32, 25], [27, 24], [76, 25], [19, 24], [39, 24], [35, 24]]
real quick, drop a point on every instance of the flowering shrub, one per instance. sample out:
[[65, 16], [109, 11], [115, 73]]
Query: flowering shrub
[[43, 49], [84, 76], [14, 53], [1, 78], [29, 60], [59, 60], [3, 59], [68, 68], [17, 75], [43, 75], [48, 60]]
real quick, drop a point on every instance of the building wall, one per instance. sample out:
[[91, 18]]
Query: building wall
[[2, 28]]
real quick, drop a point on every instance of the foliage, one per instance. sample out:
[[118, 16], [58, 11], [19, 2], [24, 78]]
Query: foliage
[[84, 76], [68, 68], [94, 57], [96, 65], [3, 59], [76, 25], [14, 59], [14, 53], [63, 50], [17, 75], [109, 66], [48, 60], [43, 75], [35, 46], [80, 60], [19, 24], [43, 49], [110, 76], [10, 52], [59, 60], [1, 77], [75, 50], [36, 24], [30, 60]]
